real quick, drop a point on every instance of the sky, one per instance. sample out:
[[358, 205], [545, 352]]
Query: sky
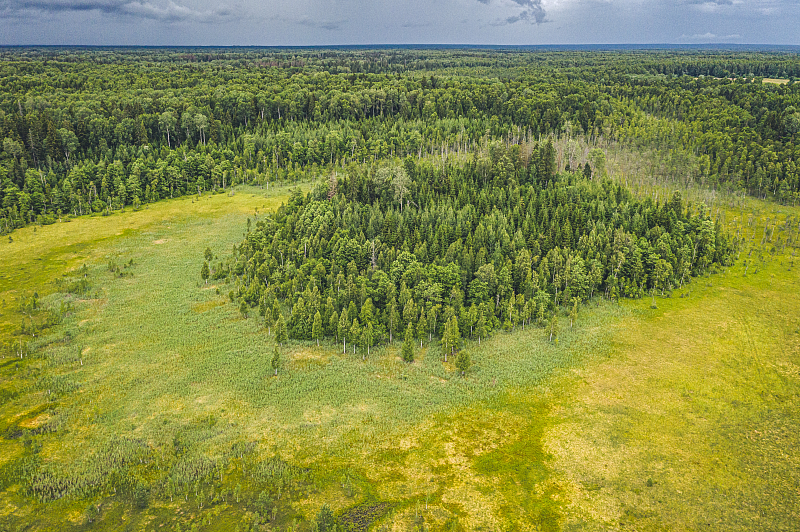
[[342, 22]]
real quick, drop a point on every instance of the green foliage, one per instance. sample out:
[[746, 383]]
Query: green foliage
[[280, 330], [407, 352], [79, 147], [275, 361], [204, 272], [463, 362], [324, 521], [505, 250]]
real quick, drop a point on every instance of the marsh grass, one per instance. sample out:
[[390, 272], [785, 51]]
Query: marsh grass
[[153, 399], [692, 422], [155, 388]]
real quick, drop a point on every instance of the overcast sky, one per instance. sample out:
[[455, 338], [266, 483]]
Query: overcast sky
[[320, 22]]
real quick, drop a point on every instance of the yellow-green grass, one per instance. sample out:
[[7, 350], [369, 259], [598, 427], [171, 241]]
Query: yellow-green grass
[[693, 422], [156, 355], [34, 256], [776, 81], [538, 435]]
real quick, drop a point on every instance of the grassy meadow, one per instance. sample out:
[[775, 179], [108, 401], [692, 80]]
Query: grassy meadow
[[680, 417]]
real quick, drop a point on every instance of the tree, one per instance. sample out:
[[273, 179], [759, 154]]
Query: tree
[[316, 328], [281, 336], [201, 123], [450, 337], [480, 328], [325, 521], [167, 121], [407, 352], [598, 160], [69, 141], [462, 362], [553, 326], [355, 334], [276, 360], [343, 322], [367, 333], [204, 273], [243, 309], [422, 327], [209, 256], [395, 178]]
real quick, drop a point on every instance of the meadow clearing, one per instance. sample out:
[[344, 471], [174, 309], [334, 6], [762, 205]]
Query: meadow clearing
[[675, 418]]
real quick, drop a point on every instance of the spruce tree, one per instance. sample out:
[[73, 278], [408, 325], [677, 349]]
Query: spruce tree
[[204, 272], [280, 330]]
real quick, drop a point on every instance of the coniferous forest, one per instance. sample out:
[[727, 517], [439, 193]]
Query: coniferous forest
[[96, 130], [398, 288]]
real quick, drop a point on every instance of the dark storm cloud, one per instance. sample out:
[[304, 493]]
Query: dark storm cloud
[[165, 12], [331, 22]]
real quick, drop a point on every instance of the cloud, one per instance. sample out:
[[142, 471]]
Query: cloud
[[711, 6], [532, 12], [708, 37], [332, 25], [141, 9]]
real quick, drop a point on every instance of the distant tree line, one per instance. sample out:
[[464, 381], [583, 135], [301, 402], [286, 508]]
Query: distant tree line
[[94, 131]]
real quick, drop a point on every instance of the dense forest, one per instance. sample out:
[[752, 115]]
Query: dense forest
[[461, 250], [402, 210], [95, 130]]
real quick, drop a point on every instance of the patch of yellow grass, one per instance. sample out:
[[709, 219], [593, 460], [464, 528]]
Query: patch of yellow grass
[[686, 425]]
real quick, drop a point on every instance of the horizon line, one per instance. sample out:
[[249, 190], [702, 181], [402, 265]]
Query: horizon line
[[420, 45]]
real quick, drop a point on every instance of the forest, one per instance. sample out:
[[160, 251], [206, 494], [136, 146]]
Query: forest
[[398, 289], [458, 251], [97, 130]]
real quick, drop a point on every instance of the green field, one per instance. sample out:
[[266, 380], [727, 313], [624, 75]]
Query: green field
[[676, 418]]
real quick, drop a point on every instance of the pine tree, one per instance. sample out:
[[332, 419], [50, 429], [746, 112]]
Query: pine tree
[[268, 321], [280, 330], [392, 318], [407, 352]]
